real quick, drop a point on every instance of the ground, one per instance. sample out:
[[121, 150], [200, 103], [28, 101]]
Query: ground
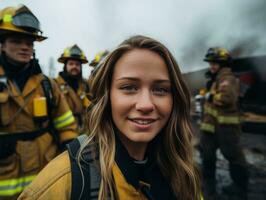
[[254, 147]]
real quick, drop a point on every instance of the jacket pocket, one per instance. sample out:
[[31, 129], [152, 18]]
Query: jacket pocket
[[29, 156], [48, 149], [4, 109]]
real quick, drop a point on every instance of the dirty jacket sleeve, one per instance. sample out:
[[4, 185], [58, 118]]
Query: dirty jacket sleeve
[[226, 91], [63, 118], [53, 182]]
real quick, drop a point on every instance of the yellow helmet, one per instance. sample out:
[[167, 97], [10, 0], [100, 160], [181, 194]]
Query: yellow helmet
[[73, 52], [20, 20], [98, 58], [219, 55]]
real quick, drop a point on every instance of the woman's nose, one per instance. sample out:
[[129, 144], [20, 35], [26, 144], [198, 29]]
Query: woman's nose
[[145, 102]]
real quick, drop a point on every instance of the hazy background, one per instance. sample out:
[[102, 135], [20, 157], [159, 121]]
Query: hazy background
[[188, 28]]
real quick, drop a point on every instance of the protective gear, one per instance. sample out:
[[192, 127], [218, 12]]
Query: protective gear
[[78, 101], [98, 58], [131, 180], [97, 63], [20, 20], [73, 52], [217, 55], [221, 128], [31, 153]]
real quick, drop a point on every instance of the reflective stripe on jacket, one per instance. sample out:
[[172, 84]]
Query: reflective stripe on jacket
[[77, 101], [54, 182], [223, 110], [18, 115]]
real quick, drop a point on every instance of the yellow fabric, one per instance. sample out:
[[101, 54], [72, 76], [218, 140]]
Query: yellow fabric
[[13, 186], [77, 101], [228, 120], [210, 110], [207, 127], [222, 119], [16, 114], [64, 120], [53, 182], [124, 189]]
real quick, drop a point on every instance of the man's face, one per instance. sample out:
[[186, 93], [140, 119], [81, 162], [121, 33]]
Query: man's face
[[18, 48], [73, 67], [214, 67]]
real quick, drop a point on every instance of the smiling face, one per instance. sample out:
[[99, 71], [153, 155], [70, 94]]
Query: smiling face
[[141, 98], [18, 48]]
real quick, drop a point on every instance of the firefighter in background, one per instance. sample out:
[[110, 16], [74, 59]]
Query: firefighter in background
[[95, 63], [221, 125], [98, 58], [72, 85], [35, 120]]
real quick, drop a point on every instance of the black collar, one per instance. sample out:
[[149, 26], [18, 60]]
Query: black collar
[[148, 173], [130, 170]]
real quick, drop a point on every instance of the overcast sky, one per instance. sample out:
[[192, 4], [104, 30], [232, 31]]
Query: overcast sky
[[188, 27]]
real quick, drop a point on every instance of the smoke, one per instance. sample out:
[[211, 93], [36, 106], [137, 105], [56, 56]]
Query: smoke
[[188, 28], [239, 26]]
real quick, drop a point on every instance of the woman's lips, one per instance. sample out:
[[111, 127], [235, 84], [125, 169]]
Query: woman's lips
[[142, 123]]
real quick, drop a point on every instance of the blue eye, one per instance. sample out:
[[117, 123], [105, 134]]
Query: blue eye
[[161, 90]]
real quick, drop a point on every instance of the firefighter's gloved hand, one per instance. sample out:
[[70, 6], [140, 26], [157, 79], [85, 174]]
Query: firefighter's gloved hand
[[7, 148], [209, 97]]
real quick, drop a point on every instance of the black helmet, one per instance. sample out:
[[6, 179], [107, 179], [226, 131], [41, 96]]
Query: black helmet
[[218, 55]]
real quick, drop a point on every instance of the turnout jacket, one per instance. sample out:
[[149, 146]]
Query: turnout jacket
[[221, 107], [18, 110], [78, 101], [55, 181]]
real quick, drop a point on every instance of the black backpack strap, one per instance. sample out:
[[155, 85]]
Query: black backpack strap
[[48, 93], [85, 176]]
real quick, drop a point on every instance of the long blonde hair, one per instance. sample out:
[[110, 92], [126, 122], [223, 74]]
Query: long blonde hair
[[174, 154]]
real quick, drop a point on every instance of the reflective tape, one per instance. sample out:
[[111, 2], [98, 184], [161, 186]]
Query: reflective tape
[[7, 18], [12, 187], [210, 110], [221, 119], [228, 120], [207, 127], [64, 120]]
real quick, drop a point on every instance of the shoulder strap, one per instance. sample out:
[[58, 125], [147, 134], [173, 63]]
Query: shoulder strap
[[48, 93], [85, 175]]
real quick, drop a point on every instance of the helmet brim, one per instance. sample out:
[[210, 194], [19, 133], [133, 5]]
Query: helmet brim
[[36, 37], [64, 59]]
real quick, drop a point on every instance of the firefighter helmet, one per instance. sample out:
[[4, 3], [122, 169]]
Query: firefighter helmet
[[98, 58], [219, 55], [73, 52], [20, 20]]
